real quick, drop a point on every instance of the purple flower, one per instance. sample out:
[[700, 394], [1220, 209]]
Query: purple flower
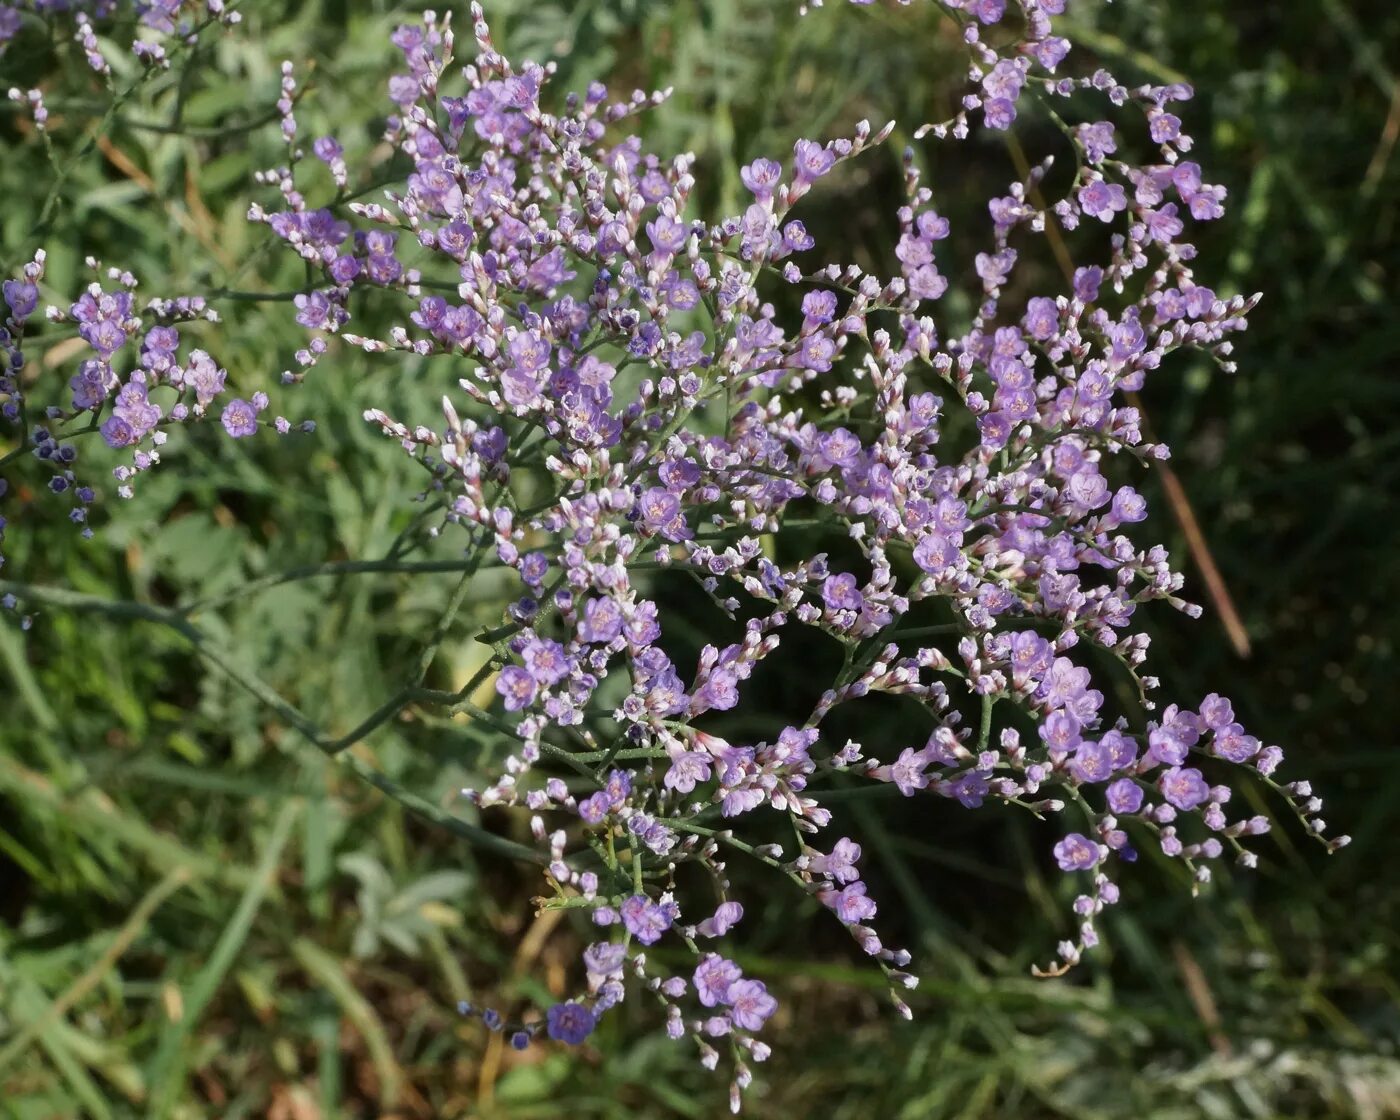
[[665, 694], [841, 593], [23, 298], [594, 808], [750, 1005], [835, 414], [1098, 140], [1128, 506], [1184, 787], [159, 15], [686, 770], [714, 979], [988, 11], [322, 229], [1163, 225], [1042, 318], [404, 89], [383, 268], [761, 177], [1030, 654], [841, 863], [1124, 797], [239, 418], [1093, 762], [1163, 746], [116, 432], [1086, 283], [819, 307], [521, 387], [106, 336], [1164, 127], [994, 268], [344, 269], [90, 384], [660, 512], [1076, 852], [204, 376], [1102, 200], [547, 661], [935, 554], [999, 112], [534, 566], [1216, 712], [604, 958], [841, 447], [315, 311], [907, 772], [668, 235], [1122, 747], [1050, 51], [726, 915], [1004, 81], [516, 686], [161, 342], [1232, 743], [850, 903], [570, 1022], [618, 787], [1060, 731], [811, 161], [646, 920], [529, 351], [925, 282]]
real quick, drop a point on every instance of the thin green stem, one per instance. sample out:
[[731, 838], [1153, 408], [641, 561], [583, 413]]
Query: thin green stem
[[313, 571], [984, 731]]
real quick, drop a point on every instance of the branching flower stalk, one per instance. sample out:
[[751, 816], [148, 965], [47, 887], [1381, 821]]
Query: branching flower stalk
[[621, 394]]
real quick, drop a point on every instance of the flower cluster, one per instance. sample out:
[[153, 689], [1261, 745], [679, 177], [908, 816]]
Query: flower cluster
[[155, 22], [628, 393], [622, 395], [143, 379]]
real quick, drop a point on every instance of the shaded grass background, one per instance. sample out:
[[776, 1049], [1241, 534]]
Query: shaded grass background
[[199, 917]]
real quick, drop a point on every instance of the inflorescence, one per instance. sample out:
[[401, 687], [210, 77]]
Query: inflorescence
[[621, 395]]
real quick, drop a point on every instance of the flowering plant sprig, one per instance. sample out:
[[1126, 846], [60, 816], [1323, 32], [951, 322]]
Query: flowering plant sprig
[[142, 375], [622, 394], [149, 22], [158, 29]]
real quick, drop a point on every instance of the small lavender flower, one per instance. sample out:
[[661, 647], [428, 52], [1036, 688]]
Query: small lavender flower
[[516, 686], [714, 979], [570, 1022], [811, 161], [851, 903], [646, 920], [1184, 787], [687, 770], [1124, 797], [725, 917], [1076, 852], [239, 419], [605, 958], [750, 1005], [840, 865], [22, 297]]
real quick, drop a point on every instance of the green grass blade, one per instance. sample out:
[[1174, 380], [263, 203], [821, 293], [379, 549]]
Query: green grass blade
[[167, 1071]]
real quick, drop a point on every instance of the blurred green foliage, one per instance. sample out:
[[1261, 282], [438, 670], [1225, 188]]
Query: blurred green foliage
[[199, 916]]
